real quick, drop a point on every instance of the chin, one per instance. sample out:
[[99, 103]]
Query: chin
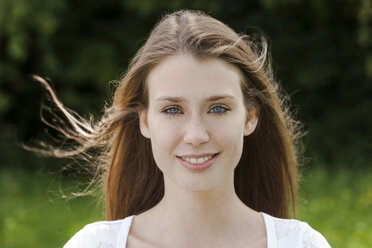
[[193, 186]]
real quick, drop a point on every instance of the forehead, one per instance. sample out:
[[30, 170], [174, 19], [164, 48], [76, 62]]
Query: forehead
[[185, 75]]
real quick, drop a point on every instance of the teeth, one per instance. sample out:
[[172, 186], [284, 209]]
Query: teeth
[[197, 160]]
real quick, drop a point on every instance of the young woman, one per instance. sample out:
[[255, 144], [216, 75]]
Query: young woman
[[197, 148]]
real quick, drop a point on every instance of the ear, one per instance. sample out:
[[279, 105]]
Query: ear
[[251, 122], [143, 123]]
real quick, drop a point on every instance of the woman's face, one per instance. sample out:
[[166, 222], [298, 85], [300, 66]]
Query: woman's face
[[196, 110]]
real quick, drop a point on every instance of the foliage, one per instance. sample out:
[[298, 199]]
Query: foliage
[[32, 208], [337, 203], [321, 52], [33, 214]]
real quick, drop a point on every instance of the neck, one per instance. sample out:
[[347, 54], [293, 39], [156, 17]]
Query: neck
[[198, 206], [201, 214]]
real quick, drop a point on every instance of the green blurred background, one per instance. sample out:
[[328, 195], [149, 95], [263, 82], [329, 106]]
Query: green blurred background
[[321, 54]]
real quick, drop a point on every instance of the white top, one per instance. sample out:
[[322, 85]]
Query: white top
[[281, 233]]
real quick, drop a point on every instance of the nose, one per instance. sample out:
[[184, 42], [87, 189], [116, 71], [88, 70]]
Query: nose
[[196, 131]]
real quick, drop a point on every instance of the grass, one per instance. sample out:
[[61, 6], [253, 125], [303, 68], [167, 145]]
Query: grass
[[32, 214], [338, 204]]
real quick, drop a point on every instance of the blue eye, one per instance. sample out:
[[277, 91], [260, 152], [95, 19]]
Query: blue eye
[[172, 111], [219, 109]]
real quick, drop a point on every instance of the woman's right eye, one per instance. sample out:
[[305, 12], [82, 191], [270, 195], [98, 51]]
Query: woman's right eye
[[171, 111]]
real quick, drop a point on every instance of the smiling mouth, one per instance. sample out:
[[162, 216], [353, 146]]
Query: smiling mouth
[[197, 160]]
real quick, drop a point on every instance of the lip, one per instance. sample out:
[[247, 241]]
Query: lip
[[198, 167], [197, 155]]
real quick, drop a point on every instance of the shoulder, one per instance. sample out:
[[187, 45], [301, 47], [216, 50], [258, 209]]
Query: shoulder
[[293, 233], [312, 238], [99, 234]]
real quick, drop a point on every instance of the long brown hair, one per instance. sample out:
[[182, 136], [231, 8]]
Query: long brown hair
[[266, 176]]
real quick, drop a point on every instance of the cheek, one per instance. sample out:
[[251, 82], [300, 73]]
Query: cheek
[[228, 128], [232, 146], [231, 139], [164, 137], [229, 135]]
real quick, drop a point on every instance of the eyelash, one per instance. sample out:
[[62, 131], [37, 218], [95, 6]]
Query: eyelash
[[225, 110]]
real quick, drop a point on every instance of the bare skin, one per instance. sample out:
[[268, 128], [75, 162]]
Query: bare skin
[[235, 228], [199, 208]]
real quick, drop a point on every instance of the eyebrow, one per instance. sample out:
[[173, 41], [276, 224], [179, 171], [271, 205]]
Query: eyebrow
[[181, 99]]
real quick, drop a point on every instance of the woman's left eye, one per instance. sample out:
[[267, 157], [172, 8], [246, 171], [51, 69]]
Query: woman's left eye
[[219, 110]]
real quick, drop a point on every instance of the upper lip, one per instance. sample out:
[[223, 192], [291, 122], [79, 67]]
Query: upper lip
[[197, 155]]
